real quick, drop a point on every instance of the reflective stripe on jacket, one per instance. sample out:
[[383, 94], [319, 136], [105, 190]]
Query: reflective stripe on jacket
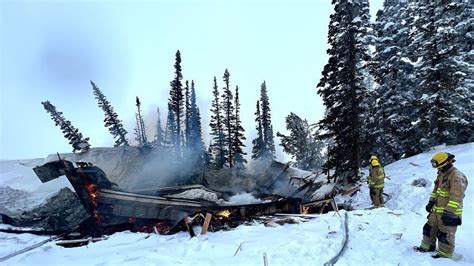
[[448, 192], [376, 177]]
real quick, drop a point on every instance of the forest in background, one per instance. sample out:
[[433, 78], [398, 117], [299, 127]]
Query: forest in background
[[394, 87]]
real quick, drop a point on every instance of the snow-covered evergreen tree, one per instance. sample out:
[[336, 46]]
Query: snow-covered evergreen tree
[[394, 99], [342, 87], [268, 148], [445, 94], [187, 119], [140, 131], [78, 142], [257, 143], [170, 133], [195, 143], [176, 106], [238, 135], [217, 132], [112, 122], [208, 156], [369, 95], [159, 142], [228, 121], [302, 143]]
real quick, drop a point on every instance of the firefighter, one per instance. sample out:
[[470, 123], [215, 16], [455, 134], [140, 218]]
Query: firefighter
[[376, 181], [444, 207]]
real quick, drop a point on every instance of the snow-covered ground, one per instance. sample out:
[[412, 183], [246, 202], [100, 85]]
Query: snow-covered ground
[[383, 236]]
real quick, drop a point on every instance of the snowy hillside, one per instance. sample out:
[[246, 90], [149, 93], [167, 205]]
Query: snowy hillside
[[383, 236]]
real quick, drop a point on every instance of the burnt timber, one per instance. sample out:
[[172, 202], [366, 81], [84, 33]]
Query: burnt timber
[[113, 209]]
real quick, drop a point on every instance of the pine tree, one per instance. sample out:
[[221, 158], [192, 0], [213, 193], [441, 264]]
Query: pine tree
[[140, 131], [238, 135], [257, 148], [217, 132], [268, 148], [228, 119], [445, 89], [391, 136], [187, 121], [112, 122], [170, 133], [78, 142], [159, 142], [208, 156], [342, 87], [176, 105], [368, 95], [196, 143], [302, 143]]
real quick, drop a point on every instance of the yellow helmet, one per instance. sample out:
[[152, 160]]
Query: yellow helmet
[[441, 159], [374, 161]]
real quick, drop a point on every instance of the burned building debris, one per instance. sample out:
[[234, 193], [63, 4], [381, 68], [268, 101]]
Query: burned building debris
[[99, 206]]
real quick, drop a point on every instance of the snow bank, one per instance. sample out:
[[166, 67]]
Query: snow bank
[[20, 188]]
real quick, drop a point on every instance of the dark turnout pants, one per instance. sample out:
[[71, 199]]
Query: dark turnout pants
[[436, 229], [376, 196]]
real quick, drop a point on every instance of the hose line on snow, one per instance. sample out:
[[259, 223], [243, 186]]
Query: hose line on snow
[[333, 260], [37, 245]]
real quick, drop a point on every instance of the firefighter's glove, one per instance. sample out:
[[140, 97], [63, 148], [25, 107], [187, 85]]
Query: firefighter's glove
[[429, 206], [450, 219]]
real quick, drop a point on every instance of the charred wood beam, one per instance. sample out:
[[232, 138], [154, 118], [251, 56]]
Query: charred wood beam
[[205, 226]]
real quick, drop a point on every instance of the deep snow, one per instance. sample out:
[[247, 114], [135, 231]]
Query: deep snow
[[383, 236]]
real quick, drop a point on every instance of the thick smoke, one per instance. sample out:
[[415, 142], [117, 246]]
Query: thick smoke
[[136, 169], [160, 169]]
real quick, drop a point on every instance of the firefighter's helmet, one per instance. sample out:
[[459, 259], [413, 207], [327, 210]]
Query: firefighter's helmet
[[441, 159], [374, 161]]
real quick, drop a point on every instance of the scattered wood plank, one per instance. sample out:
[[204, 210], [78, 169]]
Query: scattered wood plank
[[304, 209], [334, 207], [281, 221], [317, 202], [395, 213], [298, 215], [82, 240], [205, 226], [322, 207], [187, 222], [414, 164], [351, 190]]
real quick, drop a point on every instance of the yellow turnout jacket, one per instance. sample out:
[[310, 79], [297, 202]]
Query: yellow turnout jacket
[[448, 191], [376, 177]]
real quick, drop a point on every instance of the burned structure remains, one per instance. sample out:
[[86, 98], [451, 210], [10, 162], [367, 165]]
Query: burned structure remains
[[100, 207], [113, 209]]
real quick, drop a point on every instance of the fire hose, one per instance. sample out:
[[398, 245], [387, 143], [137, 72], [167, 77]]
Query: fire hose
[[345, 240], [37, 245]]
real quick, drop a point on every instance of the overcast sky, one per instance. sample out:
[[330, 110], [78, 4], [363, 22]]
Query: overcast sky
[[51, 49]]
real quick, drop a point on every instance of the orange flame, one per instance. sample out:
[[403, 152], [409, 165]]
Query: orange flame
[[93, 192], [304, 210], [224, 214]]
